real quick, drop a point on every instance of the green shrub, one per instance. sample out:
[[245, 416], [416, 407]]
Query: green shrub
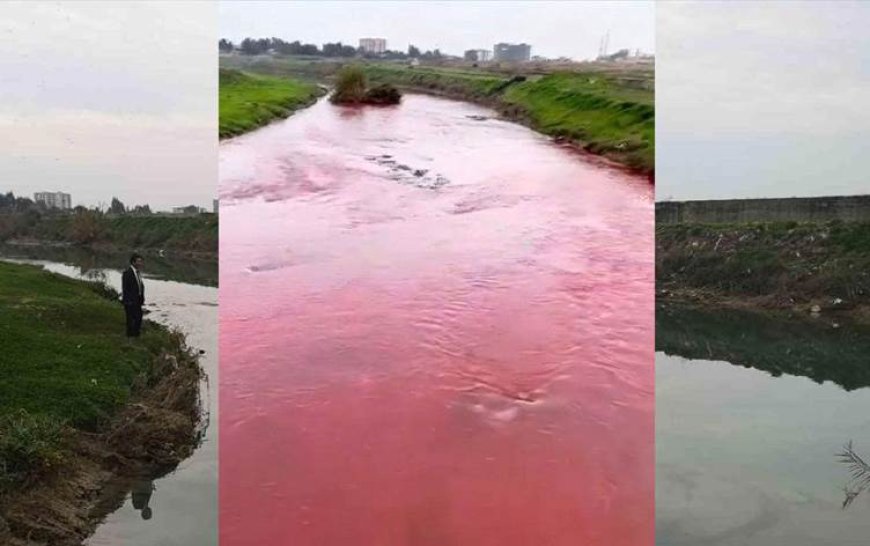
[[29, 445], [350, 87]]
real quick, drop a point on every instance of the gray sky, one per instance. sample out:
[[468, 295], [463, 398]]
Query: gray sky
[[110, 99], [555, 29], [762, 99]]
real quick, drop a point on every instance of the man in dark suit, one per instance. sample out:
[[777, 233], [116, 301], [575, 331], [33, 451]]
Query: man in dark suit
[[133, 295]]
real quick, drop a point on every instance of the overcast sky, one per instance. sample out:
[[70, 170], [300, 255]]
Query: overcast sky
[[764, 99], [109, 99], [554, 29]]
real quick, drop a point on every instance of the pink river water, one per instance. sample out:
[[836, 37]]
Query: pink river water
[[436, 329]]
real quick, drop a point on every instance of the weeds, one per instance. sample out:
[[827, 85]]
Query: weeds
[[30, 444]]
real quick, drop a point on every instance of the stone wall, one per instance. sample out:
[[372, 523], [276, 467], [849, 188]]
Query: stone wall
[[800, 209]]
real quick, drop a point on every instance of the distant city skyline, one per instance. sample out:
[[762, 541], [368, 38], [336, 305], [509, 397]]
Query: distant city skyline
[[553, 29], [110, 99]]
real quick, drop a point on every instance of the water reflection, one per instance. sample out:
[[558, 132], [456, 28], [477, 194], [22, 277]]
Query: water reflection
[[140, 496], [820, 349], [92, 263], [748, 407]]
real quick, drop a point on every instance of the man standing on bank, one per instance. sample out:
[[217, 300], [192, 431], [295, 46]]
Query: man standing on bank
[[133, 295]]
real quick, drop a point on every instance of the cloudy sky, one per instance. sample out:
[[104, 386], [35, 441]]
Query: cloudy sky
[[771, 99], [555, 29], [109, 99]]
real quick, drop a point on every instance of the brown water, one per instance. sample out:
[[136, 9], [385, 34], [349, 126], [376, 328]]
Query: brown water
[[436, 329]]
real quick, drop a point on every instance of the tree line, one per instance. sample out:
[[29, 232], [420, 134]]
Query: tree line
[[259, 46], [10, 203]]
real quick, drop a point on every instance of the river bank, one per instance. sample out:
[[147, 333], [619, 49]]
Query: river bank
[[816, 269], [83, 411], [599, 112], [248, 101], [193, 236]]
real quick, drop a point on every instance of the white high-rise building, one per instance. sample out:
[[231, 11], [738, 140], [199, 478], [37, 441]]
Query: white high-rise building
[[54, 200], [373, 45]]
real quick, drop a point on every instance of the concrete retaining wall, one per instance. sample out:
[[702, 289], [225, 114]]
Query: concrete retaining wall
[[799, 209]]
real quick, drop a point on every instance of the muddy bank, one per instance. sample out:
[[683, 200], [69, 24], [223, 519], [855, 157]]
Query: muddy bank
[[815, 269], [158, 429]]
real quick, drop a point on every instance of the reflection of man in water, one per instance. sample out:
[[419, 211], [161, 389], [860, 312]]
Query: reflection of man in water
[[133, 295], [141, 495]]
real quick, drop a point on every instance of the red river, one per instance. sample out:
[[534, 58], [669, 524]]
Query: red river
[[436, 329]]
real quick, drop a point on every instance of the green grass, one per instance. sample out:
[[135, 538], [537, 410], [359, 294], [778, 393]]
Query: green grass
[[65, 353], [606, 118], [459, 83], [29, 445], [249, 101], [64, 359], [610, 114], [591, 109]]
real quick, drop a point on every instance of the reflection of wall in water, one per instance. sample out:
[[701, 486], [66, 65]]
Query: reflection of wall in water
[[803, 347]]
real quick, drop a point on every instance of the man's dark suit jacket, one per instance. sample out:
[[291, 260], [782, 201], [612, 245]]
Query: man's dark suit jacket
[[133, 293]]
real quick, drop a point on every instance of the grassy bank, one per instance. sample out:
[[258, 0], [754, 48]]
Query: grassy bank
[[609, 113], [591, 110], [790, 265], [68, 380], [184, 234], [248, 101]]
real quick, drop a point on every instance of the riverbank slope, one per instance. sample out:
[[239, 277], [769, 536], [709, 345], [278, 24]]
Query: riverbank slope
[[249, 101], [606, 113], [808, 268], [80, 406]]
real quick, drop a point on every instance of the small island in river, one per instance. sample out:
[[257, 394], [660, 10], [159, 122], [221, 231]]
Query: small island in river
[[352, 88]]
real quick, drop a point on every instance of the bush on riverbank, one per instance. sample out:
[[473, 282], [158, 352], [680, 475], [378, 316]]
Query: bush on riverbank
[[784, 264], [249, 101], [352, 88]]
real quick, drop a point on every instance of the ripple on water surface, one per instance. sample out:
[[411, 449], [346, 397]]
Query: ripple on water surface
[[436, 329]]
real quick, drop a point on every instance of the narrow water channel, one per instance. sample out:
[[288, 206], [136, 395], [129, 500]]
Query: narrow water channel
[[183, 504], [751, 413], [436, 329]]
